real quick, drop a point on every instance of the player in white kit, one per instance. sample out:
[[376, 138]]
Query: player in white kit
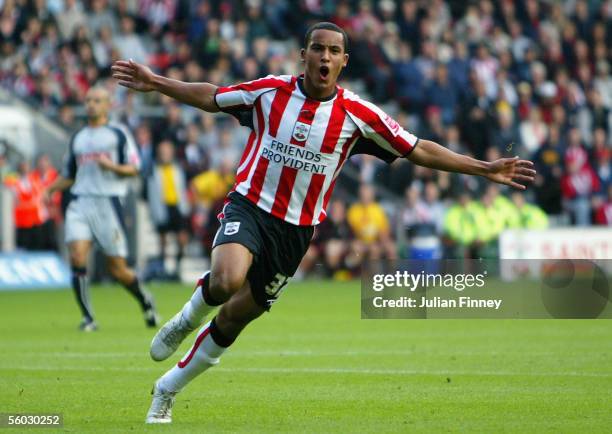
[[302, 131], [101, 159]]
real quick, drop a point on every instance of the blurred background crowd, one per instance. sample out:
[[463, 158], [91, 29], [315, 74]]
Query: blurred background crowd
[[486, 78]]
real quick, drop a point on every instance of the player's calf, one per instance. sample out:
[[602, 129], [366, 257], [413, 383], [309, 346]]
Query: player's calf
[[170, 336], [118, 268], [238, 312], [80, 287]]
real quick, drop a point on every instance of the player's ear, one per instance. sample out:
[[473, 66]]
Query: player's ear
[[346, 57], [303, 55]]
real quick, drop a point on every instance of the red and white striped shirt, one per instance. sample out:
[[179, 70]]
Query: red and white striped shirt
[[298, 144]]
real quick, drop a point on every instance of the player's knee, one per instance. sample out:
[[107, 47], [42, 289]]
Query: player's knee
[[224, 283], [77, 259]]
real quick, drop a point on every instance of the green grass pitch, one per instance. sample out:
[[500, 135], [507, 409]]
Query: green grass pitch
[[311, 365]]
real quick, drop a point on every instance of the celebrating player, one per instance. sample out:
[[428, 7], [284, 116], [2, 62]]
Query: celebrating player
[[100, 160], [303, 129]]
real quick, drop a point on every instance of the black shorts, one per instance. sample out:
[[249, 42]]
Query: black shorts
[[175, 222], [277, 246]]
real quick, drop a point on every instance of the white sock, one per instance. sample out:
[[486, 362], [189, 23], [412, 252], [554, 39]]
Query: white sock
[[196, 309], [203, 354]]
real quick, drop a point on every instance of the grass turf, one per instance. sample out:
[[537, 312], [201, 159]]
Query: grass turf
[[311, 365]]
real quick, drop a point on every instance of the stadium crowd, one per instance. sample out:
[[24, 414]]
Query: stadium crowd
[[487, 78]]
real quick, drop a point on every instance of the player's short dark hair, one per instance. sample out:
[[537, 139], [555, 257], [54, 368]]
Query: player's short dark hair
[[325, 25]]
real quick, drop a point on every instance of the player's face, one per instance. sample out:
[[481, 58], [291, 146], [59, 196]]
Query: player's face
[[323, 58], [96, 103]]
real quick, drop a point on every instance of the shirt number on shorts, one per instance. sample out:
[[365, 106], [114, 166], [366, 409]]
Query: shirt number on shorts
[[276, 286]]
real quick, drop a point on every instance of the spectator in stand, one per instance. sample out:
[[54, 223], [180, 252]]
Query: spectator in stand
[[434, 125], [144, 140], [533, 132], [5, 167], [501, 202], [602, 158], [370, 226], [595, 114], [433, 208], [410, 215], [459, 67], [158, 14], [101, 16], [70, 18], [527, 215], [212, 185], [443, 94], [548, 161], [225, 149], [603, 213], [476, 118], [505, 135], [208, 190], [29, 212], [485, 66], [525, 102], [409, 23], [460, 229], [45, 174], [603, 82], [128, 43], [579, 182], [420, 216], [491, 219], [378, 69], [342, 17], [331, 244], [196, 159], [426, 60], [173, 128], [408, 80], [103, 47], [168, 203], [490, 222]]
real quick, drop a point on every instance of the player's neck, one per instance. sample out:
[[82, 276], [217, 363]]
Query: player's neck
[[97, 122], [312, 92]]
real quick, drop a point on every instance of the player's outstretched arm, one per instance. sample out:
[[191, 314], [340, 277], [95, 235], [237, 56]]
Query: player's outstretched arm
[[509, 171], [140, 77]]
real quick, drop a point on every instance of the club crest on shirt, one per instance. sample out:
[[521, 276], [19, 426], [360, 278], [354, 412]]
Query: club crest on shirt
[[301, 131]]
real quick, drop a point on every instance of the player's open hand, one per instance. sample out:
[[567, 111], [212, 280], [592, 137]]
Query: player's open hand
[[105, 162], [133, 75], [511, 171]]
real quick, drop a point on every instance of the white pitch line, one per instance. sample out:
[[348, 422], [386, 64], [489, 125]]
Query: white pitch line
[[359, 371], [288, 353]]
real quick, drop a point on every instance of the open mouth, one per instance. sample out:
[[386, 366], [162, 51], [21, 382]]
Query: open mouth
[[324, 72]]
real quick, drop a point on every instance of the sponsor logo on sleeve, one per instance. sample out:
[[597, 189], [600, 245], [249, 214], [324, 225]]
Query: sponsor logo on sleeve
[[390, 123], [231, 228]]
